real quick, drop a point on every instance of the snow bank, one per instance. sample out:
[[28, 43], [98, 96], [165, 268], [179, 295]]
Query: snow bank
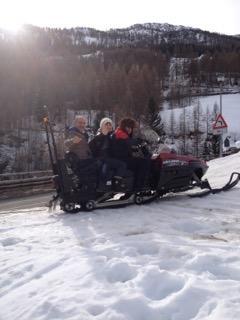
[[175, 259]]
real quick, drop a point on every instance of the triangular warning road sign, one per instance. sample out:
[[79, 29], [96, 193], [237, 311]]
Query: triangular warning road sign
[[220, 123]]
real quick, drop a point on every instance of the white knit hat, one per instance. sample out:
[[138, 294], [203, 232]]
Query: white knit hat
[[105, 120]]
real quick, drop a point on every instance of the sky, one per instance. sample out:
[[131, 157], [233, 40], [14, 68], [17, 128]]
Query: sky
[[221, 16]]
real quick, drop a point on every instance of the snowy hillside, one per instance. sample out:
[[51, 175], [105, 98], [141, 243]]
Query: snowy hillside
[[164, 32], [175, 259], [148, 33], [230, 109], [138, 34]]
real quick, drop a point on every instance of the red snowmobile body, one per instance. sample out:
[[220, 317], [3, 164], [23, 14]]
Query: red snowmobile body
[[178, 171]]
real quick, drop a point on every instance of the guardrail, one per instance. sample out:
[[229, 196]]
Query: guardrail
[[10, 184], [25, 180], [21, 175]]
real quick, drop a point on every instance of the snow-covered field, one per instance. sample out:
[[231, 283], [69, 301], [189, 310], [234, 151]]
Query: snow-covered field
[[230, 109], [175, 259]]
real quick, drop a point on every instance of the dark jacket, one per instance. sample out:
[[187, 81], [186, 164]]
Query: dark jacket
[[100, 146], [124, 146], [121, 145], [140, 149]]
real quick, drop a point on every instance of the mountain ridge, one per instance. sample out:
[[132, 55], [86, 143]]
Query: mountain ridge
[[139, 34]]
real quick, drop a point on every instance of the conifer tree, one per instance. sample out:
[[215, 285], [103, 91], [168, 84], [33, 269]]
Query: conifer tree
[[154, 119], [172, 126], [198, 129]]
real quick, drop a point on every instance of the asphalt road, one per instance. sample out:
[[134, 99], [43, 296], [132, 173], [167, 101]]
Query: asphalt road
[[10, 205]]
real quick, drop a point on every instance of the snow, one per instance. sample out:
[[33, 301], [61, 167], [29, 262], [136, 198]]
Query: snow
[[90, 40], [7, 154], [174, 259], [91, 55], [230, 109]]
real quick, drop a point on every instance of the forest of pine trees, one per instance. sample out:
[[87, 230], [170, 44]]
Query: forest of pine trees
[[53, 67]]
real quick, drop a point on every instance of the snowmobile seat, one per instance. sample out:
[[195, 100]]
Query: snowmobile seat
[[71, 160], [86, 166], [86, 170]]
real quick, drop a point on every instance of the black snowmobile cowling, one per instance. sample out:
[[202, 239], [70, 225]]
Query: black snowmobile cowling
[[79, 189]]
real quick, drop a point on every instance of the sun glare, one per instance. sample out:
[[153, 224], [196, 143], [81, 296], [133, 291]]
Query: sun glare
[[11, 26]]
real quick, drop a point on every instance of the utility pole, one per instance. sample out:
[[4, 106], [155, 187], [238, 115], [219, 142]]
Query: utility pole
[[184, 130], [221, 137], [220, 80]]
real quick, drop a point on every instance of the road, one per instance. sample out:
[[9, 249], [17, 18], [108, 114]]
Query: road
[[24, 203]]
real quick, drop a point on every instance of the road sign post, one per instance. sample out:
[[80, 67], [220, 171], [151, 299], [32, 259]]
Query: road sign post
[[220, 79], [220, 127]]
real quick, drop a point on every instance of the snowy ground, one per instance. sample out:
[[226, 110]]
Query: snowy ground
[[230, 109], [175, 259]]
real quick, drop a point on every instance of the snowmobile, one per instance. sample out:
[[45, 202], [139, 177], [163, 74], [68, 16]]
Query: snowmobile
[[78, 189]]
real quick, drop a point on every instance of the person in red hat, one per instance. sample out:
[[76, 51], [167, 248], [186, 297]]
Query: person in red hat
[[123, 145]]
